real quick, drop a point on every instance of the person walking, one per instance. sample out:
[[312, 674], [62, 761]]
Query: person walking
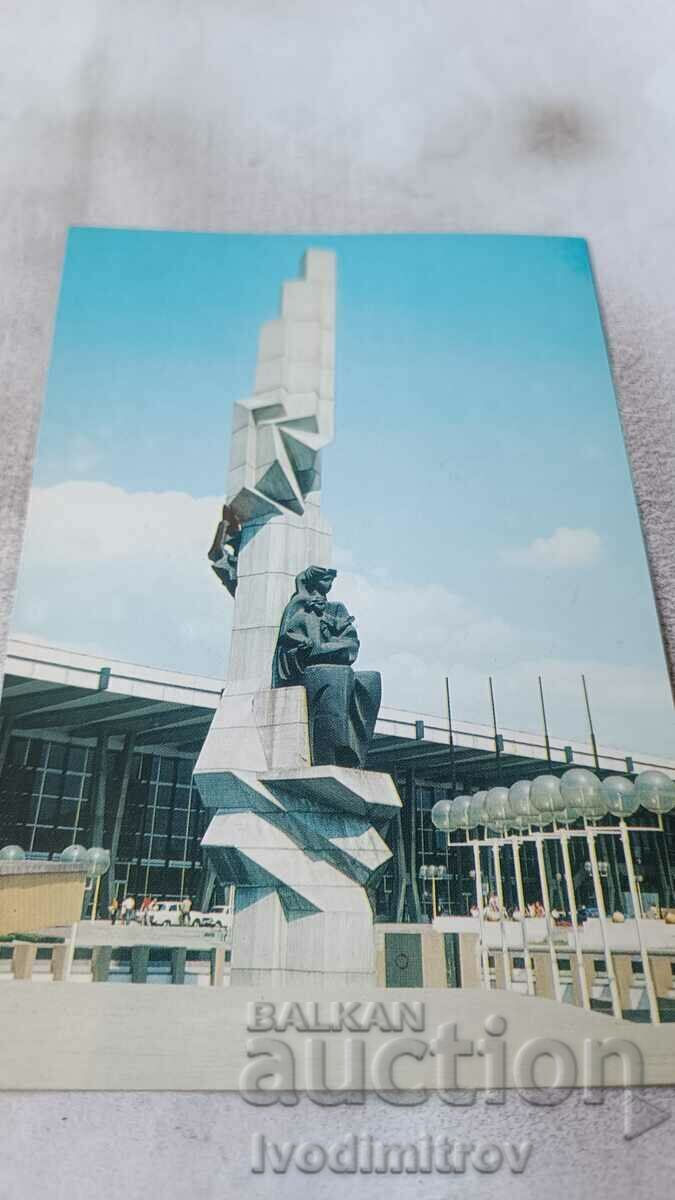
[[128, 906], [113, 909], [185, 907]]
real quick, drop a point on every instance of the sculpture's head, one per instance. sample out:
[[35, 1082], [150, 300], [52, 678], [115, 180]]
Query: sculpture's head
[[315, 579]]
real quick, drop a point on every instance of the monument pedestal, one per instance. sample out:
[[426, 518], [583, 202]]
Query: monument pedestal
[[299, 843], [328, 949]]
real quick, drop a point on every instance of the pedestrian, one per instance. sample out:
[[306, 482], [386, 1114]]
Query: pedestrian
[[185, 906], [113, 909], [146, 905], [128, 906]]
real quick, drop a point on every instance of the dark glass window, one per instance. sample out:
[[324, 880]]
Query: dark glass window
[[184, 771], [57, 755], [166, 769], [77, 758]]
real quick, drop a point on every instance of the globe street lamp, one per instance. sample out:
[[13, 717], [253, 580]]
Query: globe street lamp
[[655, 792], [433, 872], [546, 799], [461, 813], [582, 790], [623, 799], [441, 816], [478, 809], [12, 854], [77, 855], [498, 817]]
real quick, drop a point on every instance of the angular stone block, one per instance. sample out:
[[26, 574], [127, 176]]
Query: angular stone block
[[303, 341], [319, 266], [256, 731], [280, 706], [301, 300], [366, 793], [271, 340]]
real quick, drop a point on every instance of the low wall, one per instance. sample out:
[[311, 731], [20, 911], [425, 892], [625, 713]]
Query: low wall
[[448, 954], [202, 1039], [137, 963]]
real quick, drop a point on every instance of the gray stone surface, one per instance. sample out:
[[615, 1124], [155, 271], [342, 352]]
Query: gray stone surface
[[300, 846], [527, 117]]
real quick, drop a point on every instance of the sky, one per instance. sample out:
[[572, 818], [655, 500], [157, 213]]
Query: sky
[[483, 514]]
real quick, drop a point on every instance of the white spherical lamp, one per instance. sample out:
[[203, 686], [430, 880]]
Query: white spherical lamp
[[620, 794], [461, 815], [546, 799], [581, 789], [655, 791], [77, 855], [477, 809], [12, 854], [520, 804], [497, 809], [441, 816]]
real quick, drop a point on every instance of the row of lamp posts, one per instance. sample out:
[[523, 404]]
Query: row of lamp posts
[[548, 808]]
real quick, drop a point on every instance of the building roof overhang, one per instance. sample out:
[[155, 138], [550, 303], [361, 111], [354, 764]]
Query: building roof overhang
[[57, 693]]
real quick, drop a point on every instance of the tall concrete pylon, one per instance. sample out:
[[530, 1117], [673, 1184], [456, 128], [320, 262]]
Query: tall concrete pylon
[[274, 486], [300, 842]]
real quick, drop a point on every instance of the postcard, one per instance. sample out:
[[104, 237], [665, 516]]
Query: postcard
[[336, 723]]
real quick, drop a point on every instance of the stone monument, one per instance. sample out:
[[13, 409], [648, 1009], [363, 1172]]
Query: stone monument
[[297, 822]]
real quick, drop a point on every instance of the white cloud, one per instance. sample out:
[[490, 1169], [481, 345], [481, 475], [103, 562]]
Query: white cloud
[[125, 574], [564, 548], [415, 635]]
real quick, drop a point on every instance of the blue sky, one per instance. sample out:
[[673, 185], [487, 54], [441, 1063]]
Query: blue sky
[[478, 469]]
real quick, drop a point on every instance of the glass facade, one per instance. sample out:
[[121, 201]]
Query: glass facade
[[46, 804], [47, 790], [654, 855]]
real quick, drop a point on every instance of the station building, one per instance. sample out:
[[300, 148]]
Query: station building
[[100, 752]]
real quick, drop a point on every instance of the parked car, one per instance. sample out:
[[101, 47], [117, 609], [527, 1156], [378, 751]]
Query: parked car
[[197, 918], [218, 918], [167, 912]]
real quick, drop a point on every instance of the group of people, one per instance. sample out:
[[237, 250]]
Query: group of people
[[122, 910], [494, 911], [125, 910]]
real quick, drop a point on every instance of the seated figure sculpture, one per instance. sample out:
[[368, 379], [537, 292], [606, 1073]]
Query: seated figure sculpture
[[316, 647]]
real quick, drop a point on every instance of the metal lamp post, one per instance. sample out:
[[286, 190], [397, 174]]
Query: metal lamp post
[[520, 819], [434, 873], [547, 802], [98, 862], [581, 790], [497, 807]]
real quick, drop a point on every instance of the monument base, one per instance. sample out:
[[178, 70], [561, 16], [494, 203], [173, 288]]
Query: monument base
[[334, 948], [300, 845]]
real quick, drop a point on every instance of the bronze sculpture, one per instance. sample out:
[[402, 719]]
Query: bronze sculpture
[[316, 647]]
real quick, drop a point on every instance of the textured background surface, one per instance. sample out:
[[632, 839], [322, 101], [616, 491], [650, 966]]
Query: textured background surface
[[523, 117]]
